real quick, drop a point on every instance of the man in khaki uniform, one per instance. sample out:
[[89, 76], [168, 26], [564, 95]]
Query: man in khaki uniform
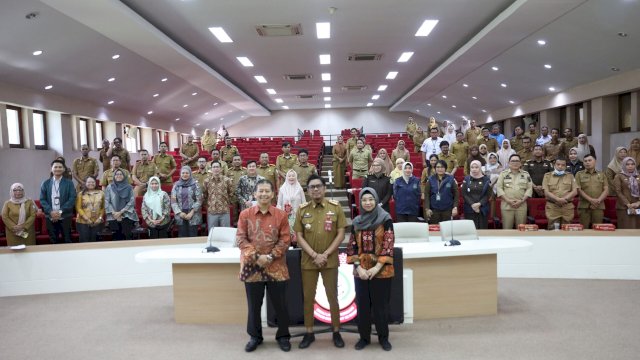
[[215, 156], [473, 133], [320, 226], [142, 172], [352, 142], [593, 188], [491, 143], [552, 148], [165, 164], [514, 187], [411, 127], [266, 170], [449, 158], [189, 152], [526, 153], [201, 174], [460, 148], [285, 162], [104, 159], [360, 160], [516, 141], [532, 133], [559, 188], [117, 149], [568, 143], [228, 151], [304, 169], [235, 172], [107, 176], [84, 166]]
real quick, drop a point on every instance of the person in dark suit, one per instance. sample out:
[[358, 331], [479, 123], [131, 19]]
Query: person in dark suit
[[58, 198]]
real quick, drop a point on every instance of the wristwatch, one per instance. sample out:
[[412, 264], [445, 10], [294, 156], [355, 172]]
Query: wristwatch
[[270, 257]]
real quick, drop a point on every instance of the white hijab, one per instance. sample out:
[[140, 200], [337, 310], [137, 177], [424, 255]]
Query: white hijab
[[583, 150], [450, 136], [291, 193], [504, 154]]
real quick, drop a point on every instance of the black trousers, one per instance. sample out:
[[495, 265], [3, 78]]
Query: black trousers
[[122, 229], [438, 216], [479, 219], [159, 232], [186, 230], [277, 292], [374, 294], [88, 233], [406, 218], [59, 228]]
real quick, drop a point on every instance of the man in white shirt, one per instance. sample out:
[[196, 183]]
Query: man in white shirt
[[431, 145], [544, 136]]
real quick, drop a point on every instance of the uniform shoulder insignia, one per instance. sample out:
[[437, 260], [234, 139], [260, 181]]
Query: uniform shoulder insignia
[[305, 204], [334, 202]]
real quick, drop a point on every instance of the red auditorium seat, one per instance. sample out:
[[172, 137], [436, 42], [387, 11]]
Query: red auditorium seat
[[355, 201], [610, 215], [356, 183], [536, 212], [167, 188]]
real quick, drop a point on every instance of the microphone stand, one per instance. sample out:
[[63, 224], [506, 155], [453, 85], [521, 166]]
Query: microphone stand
[[210, 248]]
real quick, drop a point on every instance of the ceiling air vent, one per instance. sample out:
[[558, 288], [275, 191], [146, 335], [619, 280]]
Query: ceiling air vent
[[365, 57], [305, 96], [354, 88], [298, 76], [279, 30]]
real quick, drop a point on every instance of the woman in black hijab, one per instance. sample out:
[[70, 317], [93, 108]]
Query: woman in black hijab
[[370, 250]]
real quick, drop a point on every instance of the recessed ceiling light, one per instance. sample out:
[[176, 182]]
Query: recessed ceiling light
[[149, 112], [323, 30], [48, 87], [327, 106], [375, 97], [194, 94], [197, 124], [260, 79], [511, 102], [428, 104], [244, 61], [418, 110], [37, 53], [221, 118], [177, 119], [206, 113], [382, 87], [426, 27], [327, 98], [623, 34], [285, 107], [326, 76], [465, 85], [110, 102], [325, 59], [484, 111], [271, 91], [495, 68], [474, 97], [220, 34], [369, 104], [547, 66], [552, 88], [185, 105], [405, 56], [111, 79], [326, 89], [438, 112], [163, 79], [214, 104], [503, 85], [444, 96], [453, 106], [156, 95], [115, 57], [615, 69], [542, 42], [279, 101], [392, 75]]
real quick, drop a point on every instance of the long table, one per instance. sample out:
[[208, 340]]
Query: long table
[[447, 281]]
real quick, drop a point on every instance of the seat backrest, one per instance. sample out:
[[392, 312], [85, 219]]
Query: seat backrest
[[406, 232], [462, 230], [222, 237]]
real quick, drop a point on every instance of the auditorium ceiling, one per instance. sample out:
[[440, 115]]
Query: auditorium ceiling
[[159, 58]]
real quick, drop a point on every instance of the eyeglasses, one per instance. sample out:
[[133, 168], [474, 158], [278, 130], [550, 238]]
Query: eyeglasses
[[315, 187], [514, 161]]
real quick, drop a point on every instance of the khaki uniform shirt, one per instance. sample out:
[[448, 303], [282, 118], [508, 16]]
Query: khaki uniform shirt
[[525, 155], [516, 143], [461, 151], [144, 171], [85, 167], [351, 144], [492, 144], [284, 164], [591, 183], [311, 221], [411, 128], [223, 166], [418, 139], [360, 159], [304, 172], [227, 153], [559, 185], [514, 186], [200, 176], [104, 159], [533, 136], [125, 158], [472, 135], [190, 150], [269, 172], [567, 145], [164, 165], [234, 174], [107, 177], [451, 160], [551, 150]]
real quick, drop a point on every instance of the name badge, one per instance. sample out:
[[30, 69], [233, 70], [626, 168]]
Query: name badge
[[438, 197], [56, 200]]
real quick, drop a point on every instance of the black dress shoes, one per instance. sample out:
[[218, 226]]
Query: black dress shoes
[[307, 340], [386, 345], [337, 340], [284, 344], [252, 344], [362, 343]]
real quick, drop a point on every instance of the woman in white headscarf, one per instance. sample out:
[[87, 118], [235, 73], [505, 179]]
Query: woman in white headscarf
[[156, 207], [505, 152], [19, 215], [290, 197], [450, 135]]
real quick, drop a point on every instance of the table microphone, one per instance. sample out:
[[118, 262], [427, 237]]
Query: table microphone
[[211, 248], [452, 242]]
